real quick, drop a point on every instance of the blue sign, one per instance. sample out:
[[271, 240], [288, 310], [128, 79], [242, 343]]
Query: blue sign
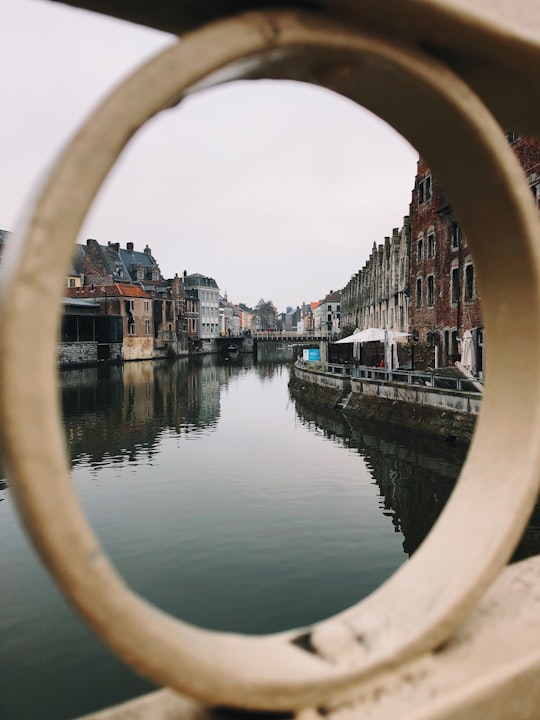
[[312, 355]]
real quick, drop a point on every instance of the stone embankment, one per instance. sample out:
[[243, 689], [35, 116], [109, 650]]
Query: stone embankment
[[437, 411]]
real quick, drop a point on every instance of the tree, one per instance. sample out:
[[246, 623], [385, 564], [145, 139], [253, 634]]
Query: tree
[[266, 315]]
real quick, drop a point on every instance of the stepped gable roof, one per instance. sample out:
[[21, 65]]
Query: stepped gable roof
[[79, 253], [113, 261]]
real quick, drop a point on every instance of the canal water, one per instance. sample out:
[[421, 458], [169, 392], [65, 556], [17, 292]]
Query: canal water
[[222, 500]]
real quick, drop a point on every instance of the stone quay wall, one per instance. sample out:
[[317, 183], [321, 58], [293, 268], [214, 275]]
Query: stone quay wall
[[429, 410]]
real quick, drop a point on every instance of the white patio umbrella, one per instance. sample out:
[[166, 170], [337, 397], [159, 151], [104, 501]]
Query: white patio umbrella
[[391, 358], [468, 359], [389, 337], [372, 335]]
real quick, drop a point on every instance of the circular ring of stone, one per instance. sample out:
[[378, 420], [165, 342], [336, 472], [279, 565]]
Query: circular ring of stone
[[428, 597]]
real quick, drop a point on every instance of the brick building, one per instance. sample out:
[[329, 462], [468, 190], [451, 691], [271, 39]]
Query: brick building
[[130, 303], [110, 266], [422, 280], [444, 295]]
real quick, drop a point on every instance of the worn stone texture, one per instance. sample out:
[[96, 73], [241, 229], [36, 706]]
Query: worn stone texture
[[429, 410], [467, 678], [77, 353]]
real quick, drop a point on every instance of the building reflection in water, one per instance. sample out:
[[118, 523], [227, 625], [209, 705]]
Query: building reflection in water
[[113, 411], [415, 473]]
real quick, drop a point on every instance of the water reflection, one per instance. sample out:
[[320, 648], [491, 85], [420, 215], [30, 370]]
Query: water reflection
[[414, 473], [123, 411], [221, 500]]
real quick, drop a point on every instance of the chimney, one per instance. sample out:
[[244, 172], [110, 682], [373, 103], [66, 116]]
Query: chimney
[[147, 250], [90, 241], [129, 246]]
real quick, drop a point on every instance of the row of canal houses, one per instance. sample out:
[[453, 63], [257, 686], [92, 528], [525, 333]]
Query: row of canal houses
[[118, 306], [422, 279]]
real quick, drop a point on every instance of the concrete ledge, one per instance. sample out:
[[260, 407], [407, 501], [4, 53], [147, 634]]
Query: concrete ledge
[[430, 410], [490, 669]]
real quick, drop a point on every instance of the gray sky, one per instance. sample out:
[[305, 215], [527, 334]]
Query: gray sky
[[277, 190]]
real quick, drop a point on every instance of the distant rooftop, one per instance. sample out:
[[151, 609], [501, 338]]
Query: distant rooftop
[[198, 280]]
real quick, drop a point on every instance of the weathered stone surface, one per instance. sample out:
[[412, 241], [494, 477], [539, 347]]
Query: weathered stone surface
[[430, 411]]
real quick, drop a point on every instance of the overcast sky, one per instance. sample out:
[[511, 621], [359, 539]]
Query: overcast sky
[[278, 190]]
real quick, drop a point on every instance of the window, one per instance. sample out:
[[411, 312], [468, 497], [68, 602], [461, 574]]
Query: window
[[425, 192], [146, 306], [131, 326], [419, 292], [430, 291], [147, 327], [512, 136], [431, 245], [71, 282], [455, 286], [456, 234], [420, 252], [469, 283], [454, 346], [129, 305]]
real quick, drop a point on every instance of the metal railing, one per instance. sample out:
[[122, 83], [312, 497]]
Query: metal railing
[[432, 379], [290, 335]]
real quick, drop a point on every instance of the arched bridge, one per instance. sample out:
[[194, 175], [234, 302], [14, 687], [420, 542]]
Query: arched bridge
[[234, 344]]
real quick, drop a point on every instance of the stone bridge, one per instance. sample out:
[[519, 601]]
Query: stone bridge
[[238, 343]]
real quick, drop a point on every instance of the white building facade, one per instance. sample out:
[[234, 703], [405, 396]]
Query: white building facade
[[207, 291]]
